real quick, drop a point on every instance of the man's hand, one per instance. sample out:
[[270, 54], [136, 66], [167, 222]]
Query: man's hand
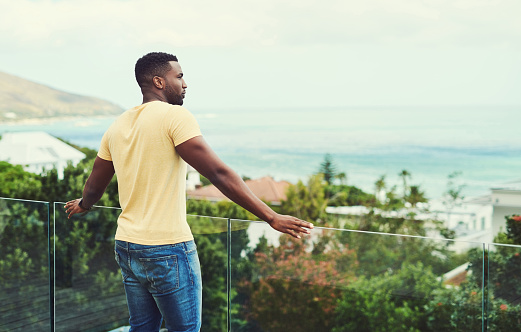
[[290, 225], [73, 207]]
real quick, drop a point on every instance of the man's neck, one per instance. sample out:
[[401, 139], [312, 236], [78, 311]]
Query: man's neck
[[149, 96]]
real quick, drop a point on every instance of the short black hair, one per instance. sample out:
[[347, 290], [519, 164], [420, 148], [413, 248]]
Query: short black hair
[[152, 64]]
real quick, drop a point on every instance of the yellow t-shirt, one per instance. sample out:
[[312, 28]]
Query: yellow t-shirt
[[151, 174]]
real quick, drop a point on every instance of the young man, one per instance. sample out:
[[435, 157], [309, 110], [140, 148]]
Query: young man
[[148, 147]]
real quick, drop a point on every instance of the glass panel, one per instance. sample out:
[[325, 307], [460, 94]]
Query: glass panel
[[89, 293], [504, 287], [25, 297], [211, 236], [338, 280]]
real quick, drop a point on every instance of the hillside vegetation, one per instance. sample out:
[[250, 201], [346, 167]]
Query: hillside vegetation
[[22, 99]]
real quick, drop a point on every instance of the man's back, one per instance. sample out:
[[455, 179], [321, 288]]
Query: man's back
[[151, 175]]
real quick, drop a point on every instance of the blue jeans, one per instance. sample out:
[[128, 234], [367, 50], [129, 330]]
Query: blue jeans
[[162, 281]]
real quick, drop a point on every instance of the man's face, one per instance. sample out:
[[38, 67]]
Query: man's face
[[175, 86]]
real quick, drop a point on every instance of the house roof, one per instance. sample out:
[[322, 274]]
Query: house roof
[[28, 148], [457, 279], [456, 276], [510, 186], [265, 188]]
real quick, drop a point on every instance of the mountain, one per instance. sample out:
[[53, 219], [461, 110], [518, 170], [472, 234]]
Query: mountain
[[22, 99]]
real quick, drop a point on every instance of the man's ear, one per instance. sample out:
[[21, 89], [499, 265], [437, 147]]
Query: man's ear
[[158, 82]]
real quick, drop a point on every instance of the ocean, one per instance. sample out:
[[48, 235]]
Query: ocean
[[483, 143]]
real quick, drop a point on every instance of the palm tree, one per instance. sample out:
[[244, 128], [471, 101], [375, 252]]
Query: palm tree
[[404, 174], [342, 177], [379, 185], [416, 196]]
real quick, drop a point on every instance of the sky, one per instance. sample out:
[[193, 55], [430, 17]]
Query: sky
[[274, 53]]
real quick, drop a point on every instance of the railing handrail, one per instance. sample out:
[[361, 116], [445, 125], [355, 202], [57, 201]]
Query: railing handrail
[[316, 227], [24, 200]]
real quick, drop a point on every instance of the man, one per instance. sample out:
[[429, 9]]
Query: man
[[148, 147]]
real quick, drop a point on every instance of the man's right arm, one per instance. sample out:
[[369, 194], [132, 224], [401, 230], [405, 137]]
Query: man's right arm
[[99, 179], [200, 156]]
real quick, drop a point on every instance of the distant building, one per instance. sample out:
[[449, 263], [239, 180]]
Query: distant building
[[37, 151], [193, 180], [471, 220], [477, 219], [506, 200], [265, 188]]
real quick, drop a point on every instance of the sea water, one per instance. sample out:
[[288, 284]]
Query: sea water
[[483, 143]]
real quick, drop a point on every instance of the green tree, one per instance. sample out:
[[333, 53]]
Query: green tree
[[344, 195], [328, 169], [211, 236], [404, 174], [374, 251], [502, 274], [416, 195], [17, 183], [391, 302], [393, 202], [342, 177], [379, 187], [306, 202], [304, 285], [24, 266], [213, 257]]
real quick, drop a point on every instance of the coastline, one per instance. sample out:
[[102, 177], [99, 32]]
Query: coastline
[[430, 145], [50, 120]]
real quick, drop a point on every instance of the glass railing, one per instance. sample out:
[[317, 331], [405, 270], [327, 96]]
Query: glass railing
[[503, 275], [25, 279], [339, 280], [255, 279], [212, 240], [89, 294]]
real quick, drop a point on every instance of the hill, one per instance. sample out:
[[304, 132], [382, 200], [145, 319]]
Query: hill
[[22, 99]]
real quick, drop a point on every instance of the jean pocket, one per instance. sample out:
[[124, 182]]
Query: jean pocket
[[162, 272]]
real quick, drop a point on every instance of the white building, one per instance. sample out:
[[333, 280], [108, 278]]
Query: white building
[[469, 217], [37, 151], [506, 199], [471, 220], [193, 180]]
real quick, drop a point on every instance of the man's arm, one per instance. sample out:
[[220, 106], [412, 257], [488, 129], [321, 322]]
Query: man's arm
[[99, 179], [200, 156]]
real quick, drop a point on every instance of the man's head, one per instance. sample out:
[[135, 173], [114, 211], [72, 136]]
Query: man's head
[[160, 74]]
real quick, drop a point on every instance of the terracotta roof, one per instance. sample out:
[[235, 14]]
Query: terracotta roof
[[265, 188], [457, 279]]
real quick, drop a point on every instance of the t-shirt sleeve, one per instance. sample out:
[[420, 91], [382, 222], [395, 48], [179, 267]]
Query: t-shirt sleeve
[[104, 152], [182, 126]]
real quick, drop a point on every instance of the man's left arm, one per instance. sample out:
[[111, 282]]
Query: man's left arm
[[99, 179], [200, 156]]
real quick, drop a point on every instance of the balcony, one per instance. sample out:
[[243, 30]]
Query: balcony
[[60, 275]]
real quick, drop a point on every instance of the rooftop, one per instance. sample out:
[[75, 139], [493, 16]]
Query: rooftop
[[36, 148], [266, 188], [510, 186]]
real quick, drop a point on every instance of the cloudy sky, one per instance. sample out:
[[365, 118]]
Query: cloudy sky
[[274, 53]]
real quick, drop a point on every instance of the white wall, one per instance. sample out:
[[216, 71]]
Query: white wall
[[506, 203]]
